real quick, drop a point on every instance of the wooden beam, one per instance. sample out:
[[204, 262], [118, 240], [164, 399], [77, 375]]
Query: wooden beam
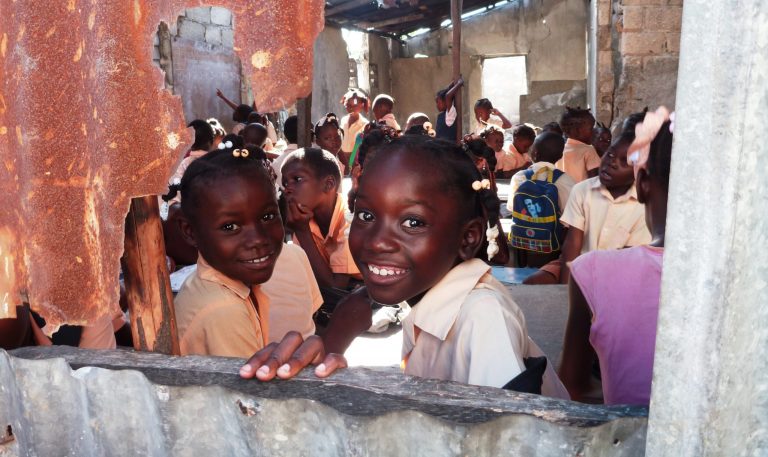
[[147, 284], [394, 20], [346, 7], [456, 8], [304, 112]]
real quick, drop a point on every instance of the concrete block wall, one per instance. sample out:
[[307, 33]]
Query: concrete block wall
[[638, 45]]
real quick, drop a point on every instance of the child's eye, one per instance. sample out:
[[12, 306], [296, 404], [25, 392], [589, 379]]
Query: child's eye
[[413, 223], [231, 227], [268, 217], [365, 216]]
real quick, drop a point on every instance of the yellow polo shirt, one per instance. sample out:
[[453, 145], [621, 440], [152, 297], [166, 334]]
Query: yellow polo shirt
[[467, 329], [216, 316], [293, 295], [578, 159], [335, 246], [607, 223]]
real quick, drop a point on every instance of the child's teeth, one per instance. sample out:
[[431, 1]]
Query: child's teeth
[[384, 271]]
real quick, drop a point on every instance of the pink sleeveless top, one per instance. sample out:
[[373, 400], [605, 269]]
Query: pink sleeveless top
[[622, 289]]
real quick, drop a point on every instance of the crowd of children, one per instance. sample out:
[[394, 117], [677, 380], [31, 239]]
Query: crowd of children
[[289, 267]]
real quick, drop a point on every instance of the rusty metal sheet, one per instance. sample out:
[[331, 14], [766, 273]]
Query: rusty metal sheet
[[85, 125]]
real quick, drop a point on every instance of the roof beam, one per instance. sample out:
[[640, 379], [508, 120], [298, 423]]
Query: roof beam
[[394, 20], [350, 5]]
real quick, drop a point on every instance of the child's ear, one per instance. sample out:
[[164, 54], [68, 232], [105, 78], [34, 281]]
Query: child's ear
[[472, 238], [643, 186], [329, 184], [185, 227]]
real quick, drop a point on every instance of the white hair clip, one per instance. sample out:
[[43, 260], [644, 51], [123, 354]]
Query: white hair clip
[[427, 126], [478, 185], [225, 145], [491, 234], [176, 181]]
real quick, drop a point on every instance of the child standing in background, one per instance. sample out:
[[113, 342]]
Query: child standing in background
[[614, 295], [580, 160], [601, 138], [486, 114], [382, 108], [445, 126], [355, 102], [327, 134]]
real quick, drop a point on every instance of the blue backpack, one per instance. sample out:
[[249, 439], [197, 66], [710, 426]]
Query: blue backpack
[[535, 210]]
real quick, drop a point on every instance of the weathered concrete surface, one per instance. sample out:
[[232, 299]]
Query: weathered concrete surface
[[85, 125], [149, 404], [550, 33], [546, 100], [710, 387], [331, 77]]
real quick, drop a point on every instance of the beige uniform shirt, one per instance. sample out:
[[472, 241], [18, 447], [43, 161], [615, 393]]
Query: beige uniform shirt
[[509, 158], [467, 329], [335, 246], [351, 131], [293, 295], [215, 315], [578, 159], [607, 223]]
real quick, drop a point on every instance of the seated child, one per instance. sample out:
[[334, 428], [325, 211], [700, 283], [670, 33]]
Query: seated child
[[218, 132], [230, 214], [382, 108], [601, 138], [547, 149], [580, 160], [552, 127], [614, 295], [415, 237], [239, 112], [355, 102], [254, 134], [327, 134], [486, 114], [315, 214], [204, 136], [522, 139], [445, 126], [414, 122]]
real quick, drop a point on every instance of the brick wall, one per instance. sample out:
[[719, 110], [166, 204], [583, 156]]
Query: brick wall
[[638, 48]]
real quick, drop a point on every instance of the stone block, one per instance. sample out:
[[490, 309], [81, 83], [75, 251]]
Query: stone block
[[191, 30], [228, 38], [604, 38], [201, 14], [200, 406], [672, 18], [634, 18], [213, 35], [604, 14], [675, 2], [653, 18], [605, 61], [221, 16], [641, 2], [661, 66], [673, 43], [643, 43]]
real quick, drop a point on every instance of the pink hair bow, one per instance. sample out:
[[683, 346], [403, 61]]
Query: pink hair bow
[[645, 132]]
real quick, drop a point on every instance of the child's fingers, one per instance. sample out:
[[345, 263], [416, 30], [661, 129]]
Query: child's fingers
[[248, 370], [310, 352], [268, 369], [331, 363]]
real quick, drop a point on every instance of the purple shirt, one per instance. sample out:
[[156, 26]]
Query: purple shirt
[[622, 289]]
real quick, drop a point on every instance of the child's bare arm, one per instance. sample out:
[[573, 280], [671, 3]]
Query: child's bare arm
[[452, 91], [13, 332], [593, 172], [286, 359], [506, 124], [229, 102], [297, 220], [578, 355], [574, 240]]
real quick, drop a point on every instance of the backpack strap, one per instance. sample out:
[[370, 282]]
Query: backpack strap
[[545, 170], [529, 175], [556, 174]]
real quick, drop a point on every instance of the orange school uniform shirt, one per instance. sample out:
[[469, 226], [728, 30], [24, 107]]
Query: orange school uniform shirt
[[335, 246], [216, 315], [293, 293], [578, 159]]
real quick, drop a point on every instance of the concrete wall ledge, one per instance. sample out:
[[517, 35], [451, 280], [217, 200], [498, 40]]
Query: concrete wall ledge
[[130, 403]]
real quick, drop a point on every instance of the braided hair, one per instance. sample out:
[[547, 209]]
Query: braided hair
[[573, 118], [221, 163], [455, 169]]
